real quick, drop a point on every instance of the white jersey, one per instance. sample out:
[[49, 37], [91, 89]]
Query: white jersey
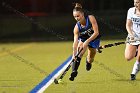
[[131, 15], [135, 20]]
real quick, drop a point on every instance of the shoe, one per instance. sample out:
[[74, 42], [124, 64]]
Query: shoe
[[88, 66], [73, 75], [133, 77]]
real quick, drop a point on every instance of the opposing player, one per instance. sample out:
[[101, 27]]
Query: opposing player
[[133, 29], [86, 36]]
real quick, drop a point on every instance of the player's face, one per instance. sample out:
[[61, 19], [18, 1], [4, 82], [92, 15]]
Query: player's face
[[78, 16], [137, 4]]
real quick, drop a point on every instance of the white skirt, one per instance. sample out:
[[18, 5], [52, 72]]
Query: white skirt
[[136, 40]]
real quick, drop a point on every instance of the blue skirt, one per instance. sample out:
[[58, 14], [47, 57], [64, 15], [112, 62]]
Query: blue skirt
[[92, 44]]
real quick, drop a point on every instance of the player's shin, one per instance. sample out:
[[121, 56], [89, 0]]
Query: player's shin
[[76, 64], [75, 67]]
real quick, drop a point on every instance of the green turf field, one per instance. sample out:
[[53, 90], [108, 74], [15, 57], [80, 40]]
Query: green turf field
[[24, 65]]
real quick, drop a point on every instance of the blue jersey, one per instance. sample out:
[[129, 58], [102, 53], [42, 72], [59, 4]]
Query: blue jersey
[[87, 31]]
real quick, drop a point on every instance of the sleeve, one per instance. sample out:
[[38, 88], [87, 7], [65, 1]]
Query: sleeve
[[129, 14]]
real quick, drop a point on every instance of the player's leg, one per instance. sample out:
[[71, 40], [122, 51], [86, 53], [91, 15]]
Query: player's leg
[[90, 58], [130, 52], [91, 53], [78, 59], [76, 63], [136, 66]]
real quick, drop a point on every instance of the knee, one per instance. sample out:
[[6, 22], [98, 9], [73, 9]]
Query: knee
[[128, 58]]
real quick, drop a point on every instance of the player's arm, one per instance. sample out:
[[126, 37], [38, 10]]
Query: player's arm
[[75, 43], [129, 24], [128, 27], [94, 27]]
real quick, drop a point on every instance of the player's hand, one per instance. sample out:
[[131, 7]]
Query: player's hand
[[74, 58], [132, 38], [85, 45]]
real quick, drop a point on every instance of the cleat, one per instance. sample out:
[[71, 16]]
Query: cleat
[[133, 77], [88, 66], [71, 78], [73, 75]]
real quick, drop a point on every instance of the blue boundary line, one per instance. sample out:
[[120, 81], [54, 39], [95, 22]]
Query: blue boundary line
[[50, 76]]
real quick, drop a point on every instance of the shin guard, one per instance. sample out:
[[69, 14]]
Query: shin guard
[[76, 64]]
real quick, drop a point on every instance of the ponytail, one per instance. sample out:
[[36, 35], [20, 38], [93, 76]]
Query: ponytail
[[78, 7]]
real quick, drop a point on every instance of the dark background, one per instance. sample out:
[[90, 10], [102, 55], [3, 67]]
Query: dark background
[[52, 20]]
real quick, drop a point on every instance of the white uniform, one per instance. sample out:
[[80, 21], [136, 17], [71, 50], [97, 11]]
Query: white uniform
[[136, 24]]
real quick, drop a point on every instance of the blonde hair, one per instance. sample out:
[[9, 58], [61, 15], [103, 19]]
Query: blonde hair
[[78, 7]]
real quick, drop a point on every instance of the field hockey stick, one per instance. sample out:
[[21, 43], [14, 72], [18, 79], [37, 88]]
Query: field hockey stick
[[65, 71], [109, 45], [114, 44]]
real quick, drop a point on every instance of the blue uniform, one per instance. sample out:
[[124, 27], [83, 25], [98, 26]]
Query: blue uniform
[[86, 32]]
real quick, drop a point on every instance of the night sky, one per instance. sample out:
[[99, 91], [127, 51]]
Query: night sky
[[65, 6]]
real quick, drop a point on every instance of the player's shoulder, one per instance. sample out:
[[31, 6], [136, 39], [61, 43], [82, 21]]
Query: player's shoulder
[[91, 17], [76, 25], [132, 9]]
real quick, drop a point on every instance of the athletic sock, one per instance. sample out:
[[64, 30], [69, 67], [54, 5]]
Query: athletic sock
[[88, 65], [136, 68], [76, 64]]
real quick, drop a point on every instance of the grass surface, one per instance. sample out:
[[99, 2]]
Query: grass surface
[[24, 65]]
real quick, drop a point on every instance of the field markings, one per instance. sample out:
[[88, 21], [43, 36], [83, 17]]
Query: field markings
[[113, 72], [4, 53], [47, 81]]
